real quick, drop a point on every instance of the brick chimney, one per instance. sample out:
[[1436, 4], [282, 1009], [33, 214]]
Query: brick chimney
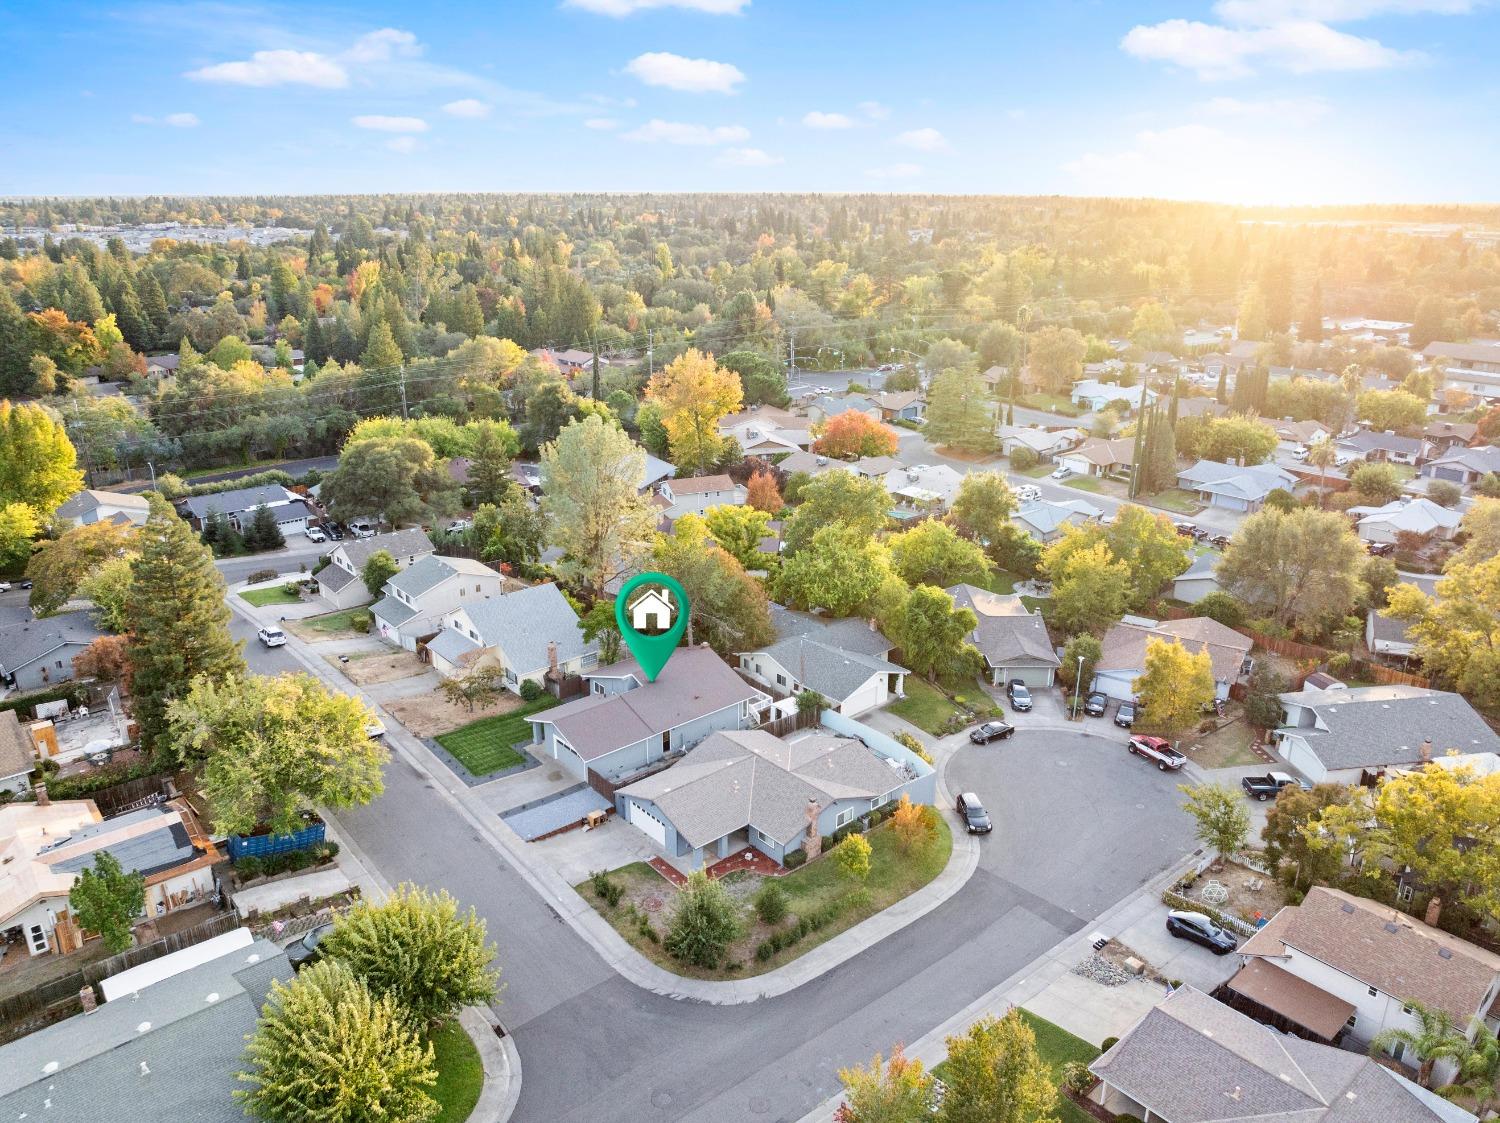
[[552, 657], [1434, 910], [1426, 751], [87, 999], [814, 843], [42, 798]]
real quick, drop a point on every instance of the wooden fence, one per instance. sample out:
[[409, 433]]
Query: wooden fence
[[781, 726]]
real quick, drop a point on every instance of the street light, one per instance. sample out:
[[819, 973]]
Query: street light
[[1077, 687]]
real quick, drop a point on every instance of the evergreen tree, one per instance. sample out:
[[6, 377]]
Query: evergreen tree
[[15, 352], [465, 314], [264, 534], [179, 623], [314, 344], [382, 350], [134, 326], [242, 266], [153, 301], [489, 464]]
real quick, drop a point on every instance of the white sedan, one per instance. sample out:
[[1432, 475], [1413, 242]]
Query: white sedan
[[272, 637]]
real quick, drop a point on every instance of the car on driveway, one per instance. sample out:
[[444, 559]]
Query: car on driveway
[[1125, 715], [991, 731], [976, 818], [1158, 750], [304, 952], [4, 586], [1269, 785], [1096, 705], [1200, 929], [1061, 472], [272, 637], [315, 534], [1020, 697]]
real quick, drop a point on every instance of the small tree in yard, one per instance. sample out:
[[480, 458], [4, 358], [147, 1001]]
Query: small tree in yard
[[1222, 817], [480, 686], [326, 1050], [379, 568], [264, 534], [704, 923], [1262, 701], [107, 900], [1090, 649], [1178, 683], [912, 824], [417, 948], [770, 902], [853, 857], [996, 1075], [894, 1091], [810, 702]]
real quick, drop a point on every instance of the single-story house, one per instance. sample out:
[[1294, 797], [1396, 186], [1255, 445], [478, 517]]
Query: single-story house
[[239, 507], [901, 405], [170, 1048], [869, 467], [926, 486], [1385, 635], [1232, 486], [1100, 457], [741, 787], [38, 653], [1405, 516], [45, 846], [1092, 395], [1012, 638], [90, 506], [570, 361], [654, 472], [1202, 407], [1470, 382], [1367, 444], [1192, 1059], [1292, 435], [1124, 656], [1368, 962], [1335, 735], [162, 366], [1045, 519], [416, 599], [17, 755], [760, 438], [846, 661], [341, 583], [1197, 581], [625, 724], [1046, 443], [1463, 465], [1465, 356], [828, 406], [697, 494], [521, 635], [809, 463]]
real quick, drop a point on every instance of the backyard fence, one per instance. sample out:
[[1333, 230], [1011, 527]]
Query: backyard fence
[[781, 726]]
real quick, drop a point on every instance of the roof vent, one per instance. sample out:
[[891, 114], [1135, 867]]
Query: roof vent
[[1351, 1095], [1347, 907], [1445, 953], [145, 1069], [1283, 1076], [50, 1067], [144, 1027], [1389, 927], [213, 996]]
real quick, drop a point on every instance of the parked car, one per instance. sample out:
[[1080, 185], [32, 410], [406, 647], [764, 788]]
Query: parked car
[[1125, 715], [315, 534], [991, 731], [1028, 494], [1157, 750], [272, 637], [976, 818], [4, 586], [1096, 704], [1199, 929], [1380, 549], [362, 528], [1220, 541], [1186, 529], [304, 952], [374, 728], [1020, 697], [1269, 785], [458, 526], [1300, 452], [335, 531], [1061, 472]]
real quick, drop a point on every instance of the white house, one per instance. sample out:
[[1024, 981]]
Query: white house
[[416, 599], [91, 506], [846, 661], [1095, 396], [698, 494], [521, 635], [924, 485], [341, 583], [1405, 516], [1099, 457]]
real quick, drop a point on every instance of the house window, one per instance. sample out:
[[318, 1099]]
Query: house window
[[666, 741], [510, 676], [36, 935], [1352, 1019], [1404, 892], [1373, 992], [781, 680], [590, 659], [844, 816], [1406, 1010]]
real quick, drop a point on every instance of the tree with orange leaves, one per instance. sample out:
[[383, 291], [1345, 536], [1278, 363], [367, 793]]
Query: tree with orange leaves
[[852, 434], [763, 494]]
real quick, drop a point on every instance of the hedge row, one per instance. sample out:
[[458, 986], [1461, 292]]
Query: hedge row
[[251, 866], [74, 692], [1223, 919]]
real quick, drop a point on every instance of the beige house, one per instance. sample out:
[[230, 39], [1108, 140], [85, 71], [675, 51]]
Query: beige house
[[1100, 457]]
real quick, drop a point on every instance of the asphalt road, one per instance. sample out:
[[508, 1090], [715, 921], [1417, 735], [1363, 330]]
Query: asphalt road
[[298, 551]]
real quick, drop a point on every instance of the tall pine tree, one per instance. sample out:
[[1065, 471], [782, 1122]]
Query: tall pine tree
[[153, 301], [178, 621]]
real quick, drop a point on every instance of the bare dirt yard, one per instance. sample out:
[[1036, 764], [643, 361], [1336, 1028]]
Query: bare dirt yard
[[428, 715], [377, 666]]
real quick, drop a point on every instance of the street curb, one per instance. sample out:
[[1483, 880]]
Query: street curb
[[502, 1067]]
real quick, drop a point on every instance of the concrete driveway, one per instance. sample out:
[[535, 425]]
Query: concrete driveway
[[1078, 820]]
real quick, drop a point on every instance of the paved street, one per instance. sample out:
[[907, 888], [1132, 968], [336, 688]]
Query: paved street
[[298, 551]]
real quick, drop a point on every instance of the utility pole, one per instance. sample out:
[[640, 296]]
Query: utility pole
[[405, 416], [152, 465], [791, 351], [596, 387], [650, 351]]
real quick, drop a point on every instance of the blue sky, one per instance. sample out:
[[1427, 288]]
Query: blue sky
[[1239, 100]]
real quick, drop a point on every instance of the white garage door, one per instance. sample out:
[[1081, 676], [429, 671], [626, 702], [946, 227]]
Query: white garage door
[[1039, 677], [867, 697], [648, 823]]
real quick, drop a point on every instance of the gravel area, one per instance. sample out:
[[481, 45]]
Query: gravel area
[[1104, 972]]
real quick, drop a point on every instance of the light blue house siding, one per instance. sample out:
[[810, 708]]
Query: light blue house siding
[[632, 758]]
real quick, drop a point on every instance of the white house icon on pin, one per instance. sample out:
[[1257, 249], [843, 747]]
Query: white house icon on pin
[[651, 612]]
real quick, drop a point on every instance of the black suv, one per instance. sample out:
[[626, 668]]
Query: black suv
[[1200, 929], [1020, 697], [975, 817], [305, 952], [1096, 704], [1125, 715], [991, 731]]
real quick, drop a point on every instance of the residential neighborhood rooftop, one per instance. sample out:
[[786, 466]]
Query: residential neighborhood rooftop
[[1372, 726]]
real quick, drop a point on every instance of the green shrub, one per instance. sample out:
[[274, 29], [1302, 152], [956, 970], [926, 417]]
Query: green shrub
[[261, 575], [248, 867], [644, 926], [292, 589], [794, 858], [770, 902], [1023, 458], [605, 889], [360, 622], [531, 691], [1340, 663], [764, 950], [1107, 1044]]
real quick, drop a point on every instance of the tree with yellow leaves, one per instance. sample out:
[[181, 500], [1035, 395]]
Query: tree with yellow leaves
[[694, 394], [1176, 685]]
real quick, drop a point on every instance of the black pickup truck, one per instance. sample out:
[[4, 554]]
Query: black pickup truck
[[1269, 786]]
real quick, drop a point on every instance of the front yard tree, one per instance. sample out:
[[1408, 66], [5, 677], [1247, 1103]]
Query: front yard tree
[[837, 497], [994, 1074], [379, 568], [418, 948], [913, 824], [1300, 567], [273, 746], [961, 412], [851, 435], [853, 857], [598, 517], [694, 394], [739, 531], [264, 534], [397, 478], [983, 507], [933, 634], [1457, 633], [57, 569], [1177, 683], [1376, 484], [1222, 816], [1292, 829], [932, 553], [894, 1091], [179, 622], [479, 687], [1090, 586], [1082, 646], [495, 445], [704, 923], [839, 571], [19, 527], [105, 899], [1151, 549], [326, 1050]]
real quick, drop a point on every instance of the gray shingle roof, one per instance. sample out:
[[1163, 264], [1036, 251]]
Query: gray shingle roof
[[1372, 726], [1485, 458], [400, 544], [521, 625], [16, 753], [428, 573], [1367, 440], [393, 612], [27, 642], [335, 578], [160, 847], [240, 499], [87, 500], [1251, 482], [1007, 633], [452, 645], [833, 657]]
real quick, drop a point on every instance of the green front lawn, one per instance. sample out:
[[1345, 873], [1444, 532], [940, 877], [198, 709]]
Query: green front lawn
[[460, 1073], [276, 594], [1057, 1047], [1038, 472], [1052, 403], [1175, 499], [484, 746], [1084, 483], [342, 621], [925, 706]]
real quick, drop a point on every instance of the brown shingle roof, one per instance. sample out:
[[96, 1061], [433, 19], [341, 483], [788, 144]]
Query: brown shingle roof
[[16, 753], [1309, 1006], [1125, 645], [698, 485]]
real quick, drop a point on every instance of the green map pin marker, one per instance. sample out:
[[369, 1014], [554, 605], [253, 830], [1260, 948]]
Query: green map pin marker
[[650, 624]]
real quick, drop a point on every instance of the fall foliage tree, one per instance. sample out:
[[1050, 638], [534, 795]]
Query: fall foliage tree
[[694, 394], [763, 494], [38, 466], [994, 1074], [852, 434], [1176, 685]]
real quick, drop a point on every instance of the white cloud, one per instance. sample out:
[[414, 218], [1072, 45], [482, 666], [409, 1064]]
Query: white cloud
[[747, 158], [923, 140], [1286, 110], [402, 144], [895, 171], [382, 45], [1265, 12], [691, 75], [603, 124], [819, 120], [174, 120], [874, 110], [619, 8], [391, 124], [1213, 51], [675, 132], [277, 68], [467, 107]]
